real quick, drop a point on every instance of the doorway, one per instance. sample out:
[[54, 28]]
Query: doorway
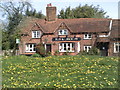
[[48, 48], [103, 47]]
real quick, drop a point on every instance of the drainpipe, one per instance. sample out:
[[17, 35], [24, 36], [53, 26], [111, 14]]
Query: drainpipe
[[110, 27]]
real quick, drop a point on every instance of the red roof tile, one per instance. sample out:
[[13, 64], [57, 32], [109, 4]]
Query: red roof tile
[[115, 32], [75, 25]]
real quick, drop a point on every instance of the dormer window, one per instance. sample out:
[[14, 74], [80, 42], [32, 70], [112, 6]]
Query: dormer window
[[35, 34], [63, 32], [87, 36]]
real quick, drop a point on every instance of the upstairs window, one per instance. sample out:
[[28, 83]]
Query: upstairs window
[[87, 48], [35, 34], [63, 32], [87, 36], [116, 47], [30, 48]]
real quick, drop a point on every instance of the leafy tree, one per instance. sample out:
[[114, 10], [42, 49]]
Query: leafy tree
[[85, 11], [14, 12], [33, 13]]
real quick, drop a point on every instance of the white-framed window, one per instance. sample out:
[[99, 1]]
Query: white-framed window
[[87, 36], [30, 48], [63, 32], [116, 47], [35, 34], [66, 47], [87, 48]]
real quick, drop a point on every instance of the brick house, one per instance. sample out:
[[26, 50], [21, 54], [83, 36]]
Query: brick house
[[69, 35]]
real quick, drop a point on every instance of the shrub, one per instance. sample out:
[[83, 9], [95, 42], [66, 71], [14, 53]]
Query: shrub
[[40, 50], [92, 51], [48, 53], [36, 55], [66, 53], [57, 52]]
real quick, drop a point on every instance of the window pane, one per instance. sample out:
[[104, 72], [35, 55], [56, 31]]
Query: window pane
[[38, 34], [65, 32], [34, 34], [68, 46], [88, 48], [116, 48], [60, 32], [89, 36], [34, 47], [85, 35], [65, 46], [30, 45]]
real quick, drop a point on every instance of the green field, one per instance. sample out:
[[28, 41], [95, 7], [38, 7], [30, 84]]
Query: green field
[[60, 72]]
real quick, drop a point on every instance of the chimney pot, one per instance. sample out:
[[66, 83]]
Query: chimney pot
[[49, 5]]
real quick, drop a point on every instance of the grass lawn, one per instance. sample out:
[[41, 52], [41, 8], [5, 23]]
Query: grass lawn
[[60, 72]]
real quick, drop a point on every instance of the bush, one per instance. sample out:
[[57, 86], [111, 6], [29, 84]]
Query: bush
[[40, 50], [56, 52], [92, 51], [36, 55]]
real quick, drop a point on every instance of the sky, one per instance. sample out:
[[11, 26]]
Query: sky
[[109, 6]]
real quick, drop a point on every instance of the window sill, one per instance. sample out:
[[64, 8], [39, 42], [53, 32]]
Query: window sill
[[63, 35], [87, 38], [116, 52], [30, 51], [35, 38], [66, 51]]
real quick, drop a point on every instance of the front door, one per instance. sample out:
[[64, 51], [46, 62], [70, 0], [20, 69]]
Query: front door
[[103, 47], [48, 48]]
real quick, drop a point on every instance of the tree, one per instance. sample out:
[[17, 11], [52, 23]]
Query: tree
[[85, 11], [14, 12], [33, 13]]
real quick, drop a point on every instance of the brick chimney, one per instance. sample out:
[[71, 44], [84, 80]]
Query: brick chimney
[[50, 12]]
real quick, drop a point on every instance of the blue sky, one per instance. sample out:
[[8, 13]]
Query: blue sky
[[110, 6]]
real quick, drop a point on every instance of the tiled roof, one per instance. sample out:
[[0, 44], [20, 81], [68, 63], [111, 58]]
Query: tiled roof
[[115, 32], [75, 25]]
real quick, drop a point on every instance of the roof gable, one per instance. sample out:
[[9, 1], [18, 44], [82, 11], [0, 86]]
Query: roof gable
[[62, 25], [36, 27]]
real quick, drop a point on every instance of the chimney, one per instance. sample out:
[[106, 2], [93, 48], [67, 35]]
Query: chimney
[[50, 12]]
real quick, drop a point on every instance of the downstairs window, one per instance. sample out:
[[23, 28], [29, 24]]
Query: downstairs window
[[66, 47], [87, 48], [116, 47], [30, 48]]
